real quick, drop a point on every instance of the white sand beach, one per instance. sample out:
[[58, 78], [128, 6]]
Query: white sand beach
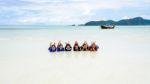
[[123, 57]]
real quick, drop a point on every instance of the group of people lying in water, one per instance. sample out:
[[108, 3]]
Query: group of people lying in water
[[76, 47]]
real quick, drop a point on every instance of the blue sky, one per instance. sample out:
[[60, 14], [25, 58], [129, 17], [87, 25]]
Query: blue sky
[[65, 12]]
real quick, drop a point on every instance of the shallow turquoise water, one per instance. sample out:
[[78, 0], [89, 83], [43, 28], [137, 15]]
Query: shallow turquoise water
[[123, 57], [64, 31]]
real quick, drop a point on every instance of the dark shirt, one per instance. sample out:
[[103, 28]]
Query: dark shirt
[[52, 48], [68, 47], [76, 49], [60, 48]]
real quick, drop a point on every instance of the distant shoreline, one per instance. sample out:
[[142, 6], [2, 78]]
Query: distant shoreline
[[125, 22]]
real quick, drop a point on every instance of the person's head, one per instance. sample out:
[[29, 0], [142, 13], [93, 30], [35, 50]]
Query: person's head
[[59, 43], [68, 47], [53, 47], [94, 44], [76, 46], [94, 47], [61, 46], [76, 42], [85, 46]]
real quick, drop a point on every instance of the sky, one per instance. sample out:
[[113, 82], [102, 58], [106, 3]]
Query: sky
[[66, 12]]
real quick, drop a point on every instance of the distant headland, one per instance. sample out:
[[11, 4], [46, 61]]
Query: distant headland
[[131, 21]]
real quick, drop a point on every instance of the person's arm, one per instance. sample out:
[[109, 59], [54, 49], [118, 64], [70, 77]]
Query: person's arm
[[50, 44]]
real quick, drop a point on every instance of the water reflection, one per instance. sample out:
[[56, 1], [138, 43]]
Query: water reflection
[[81, 54]]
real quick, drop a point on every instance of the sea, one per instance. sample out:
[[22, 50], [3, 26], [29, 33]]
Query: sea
[[123, 56]]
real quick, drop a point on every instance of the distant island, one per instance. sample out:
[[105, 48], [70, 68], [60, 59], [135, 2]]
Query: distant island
[[131, 21]]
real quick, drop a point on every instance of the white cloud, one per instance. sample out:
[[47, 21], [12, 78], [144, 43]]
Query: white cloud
[[125, 17], [51, 13], [42, 1], [145, 16], [67, 11]]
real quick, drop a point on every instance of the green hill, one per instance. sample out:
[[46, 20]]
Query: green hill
[[132, 21]]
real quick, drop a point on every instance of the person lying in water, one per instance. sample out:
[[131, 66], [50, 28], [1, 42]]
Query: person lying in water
[[85, 46], [93, 47], [60, 46], [52, 47], [68, 47], [76, 46]]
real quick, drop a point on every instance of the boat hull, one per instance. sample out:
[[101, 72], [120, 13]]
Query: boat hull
[[107, 27]]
